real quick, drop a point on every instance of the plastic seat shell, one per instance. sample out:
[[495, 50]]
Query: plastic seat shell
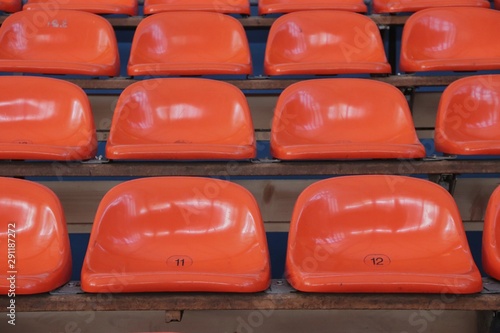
[[183, 43], [467, 120], [227, 7], [326, 119], [451, 39], [58, 46], [125, 7], [32, 219], [287, 6], [45, 119], [10, 6], [154, 119], [398, 6], [491, 233], [324, 42], [379, 234], [177, 234]]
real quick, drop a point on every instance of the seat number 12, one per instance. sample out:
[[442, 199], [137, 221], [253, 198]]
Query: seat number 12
[[377, 260]]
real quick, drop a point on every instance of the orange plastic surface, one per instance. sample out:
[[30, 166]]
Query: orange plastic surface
[[126, 7], [379, 234], [177, 234], [10, 6], [397, 6], [183, 43], [491, 237], [324, 42], [59, 42], [220, 6], [326, 119], [287, 6], [457, 39], [154, 119], [468, 117], [33, 228], [45, 119]]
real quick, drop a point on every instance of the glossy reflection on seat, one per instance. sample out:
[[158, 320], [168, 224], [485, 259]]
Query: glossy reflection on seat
[[72, 42], [33, 226], [287, 6], [451, 39], [324, 42], [10, 6], [397, 6], [379, 234], [326, 119], [183, 43], [45, 119], [491, 236], [468, 119], [227, 6], [126, 7], [181, 118], [177, 234]]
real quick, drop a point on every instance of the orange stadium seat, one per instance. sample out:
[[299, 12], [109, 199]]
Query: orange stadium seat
[[45, 119], [397, 6], [491, 237], [324, 42], [497, 4], [456, 39], [36, 41], [183, 43], [10, 6], [220, 6], [326, 119], [126, 7], [468, 117], [287, 6], [379, 234], [177, 234], [181, 118], [33, 228]]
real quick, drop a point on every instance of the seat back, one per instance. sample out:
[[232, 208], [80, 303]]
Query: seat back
[[52, 43], [33, 238], [154, 119], [379, 234], [45, 119], [287, 6], [324, 42], [397, 6], [229, 7], [183, 43], [177, 234], [126, 7], [10, 6], [491, 237], [454, 38], [468, 117], [325, 119]]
